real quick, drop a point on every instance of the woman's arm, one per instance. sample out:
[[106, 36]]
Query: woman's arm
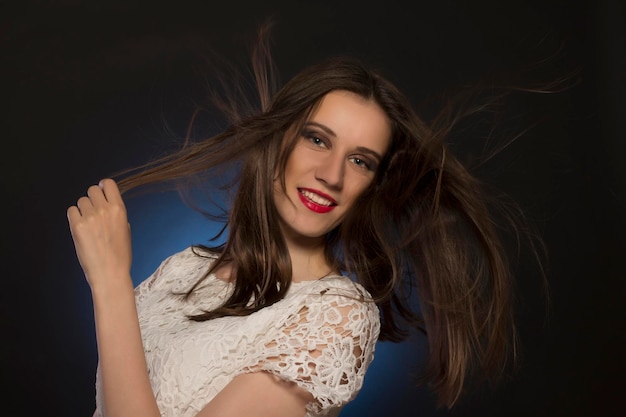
[[258, 394], [101, 234]]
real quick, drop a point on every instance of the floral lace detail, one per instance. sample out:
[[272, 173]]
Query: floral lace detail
[[321, 336]]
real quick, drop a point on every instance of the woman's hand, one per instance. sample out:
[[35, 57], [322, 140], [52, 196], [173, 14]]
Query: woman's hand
[[101, 234]]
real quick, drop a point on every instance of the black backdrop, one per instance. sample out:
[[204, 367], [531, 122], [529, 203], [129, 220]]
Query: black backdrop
[[89, 88]]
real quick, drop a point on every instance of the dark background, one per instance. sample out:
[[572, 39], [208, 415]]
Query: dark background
[[92, 87]]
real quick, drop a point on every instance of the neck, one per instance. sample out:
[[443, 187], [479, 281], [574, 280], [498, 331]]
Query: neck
[[308, 259]]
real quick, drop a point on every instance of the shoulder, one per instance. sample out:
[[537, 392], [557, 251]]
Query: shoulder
[[334, 300], [333, 286]]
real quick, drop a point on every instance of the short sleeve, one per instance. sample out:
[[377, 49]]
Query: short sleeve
[[325, 344]]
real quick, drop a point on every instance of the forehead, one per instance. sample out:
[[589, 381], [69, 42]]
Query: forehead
[[354, 119]]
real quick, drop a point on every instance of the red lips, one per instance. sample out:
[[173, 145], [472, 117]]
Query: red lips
[[313, 206]]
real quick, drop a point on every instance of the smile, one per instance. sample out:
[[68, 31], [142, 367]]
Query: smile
[[316, 201]]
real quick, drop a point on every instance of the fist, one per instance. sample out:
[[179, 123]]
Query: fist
[[101, 233]]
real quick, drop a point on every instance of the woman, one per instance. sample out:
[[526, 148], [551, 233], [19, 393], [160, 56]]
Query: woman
[[345, 201]]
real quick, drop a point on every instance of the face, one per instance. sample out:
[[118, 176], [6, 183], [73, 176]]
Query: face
[[334, 160]]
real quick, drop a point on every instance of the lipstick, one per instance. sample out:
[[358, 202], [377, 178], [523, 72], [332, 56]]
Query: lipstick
[[324, 203]]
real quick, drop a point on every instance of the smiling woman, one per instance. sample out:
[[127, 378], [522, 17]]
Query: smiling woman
[[344, 201], [332, 162]]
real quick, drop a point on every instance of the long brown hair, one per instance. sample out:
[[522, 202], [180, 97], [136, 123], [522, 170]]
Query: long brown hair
[[425, 224]]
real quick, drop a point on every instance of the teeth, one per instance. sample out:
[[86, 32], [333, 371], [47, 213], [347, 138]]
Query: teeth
[[316, 198]]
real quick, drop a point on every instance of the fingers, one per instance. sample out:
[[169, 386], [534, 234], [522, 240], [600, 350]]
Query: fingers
[[73, 213], [84, 204], [96, 196], [110, 190], [103, 197]]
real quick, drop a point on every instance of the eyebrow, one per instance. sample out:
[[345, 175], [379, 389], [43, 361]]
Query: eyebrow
[[330, 132]]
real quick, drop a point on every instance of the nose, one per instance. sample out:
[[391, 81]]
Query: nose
[[330, 170]]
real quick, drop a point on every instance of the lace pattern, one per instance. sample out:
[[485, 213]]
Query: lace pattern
[[321, 336]]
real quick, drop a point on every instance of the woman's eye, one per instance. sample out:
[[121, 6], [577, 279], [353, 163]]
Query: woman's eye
[[317, 141], [361, 163]]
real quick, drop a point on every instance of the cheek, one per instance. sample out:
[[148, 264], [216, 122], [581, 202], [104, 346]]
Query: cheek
[[278, 194], [357, 189], [295, 161]]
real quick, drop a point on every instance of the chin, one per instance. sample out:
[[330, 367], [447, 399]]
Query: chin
[[308, 233]]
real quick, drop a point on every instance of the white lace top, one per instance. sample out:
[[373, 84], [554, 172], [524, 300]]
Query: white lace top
[[321, 336]]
